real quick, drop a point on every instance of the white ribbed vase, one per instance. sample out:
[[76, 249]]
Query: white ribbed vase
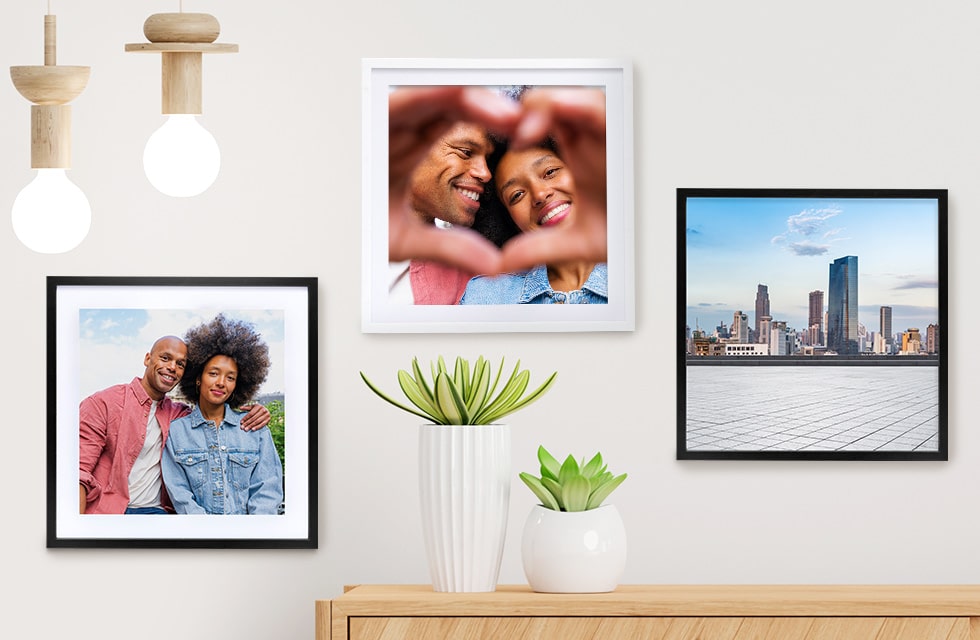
[[464, 491]]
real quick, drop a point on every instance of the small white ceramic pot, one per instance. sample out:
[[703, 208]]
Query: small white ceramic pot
[[576, 552]]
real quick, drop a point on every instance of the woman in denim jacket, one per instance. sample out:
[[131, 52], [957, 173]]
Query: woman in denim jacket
[[210, 465], [538, 190]]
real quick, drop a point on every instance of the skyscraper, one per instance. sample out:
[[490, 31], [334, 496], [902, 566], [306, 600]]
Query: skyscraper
[[911, 341], [885, 319], [761, 309], [740, 327], [815, 319], [932, 338], [842, 306], [765, 326]]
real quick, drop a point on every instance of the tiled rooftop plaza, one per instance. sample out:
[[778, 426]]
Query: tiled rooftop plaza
[[805, 408]]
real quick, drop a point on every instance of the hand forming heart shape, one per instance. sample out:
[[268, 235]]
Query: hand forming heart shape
[[574, 117]]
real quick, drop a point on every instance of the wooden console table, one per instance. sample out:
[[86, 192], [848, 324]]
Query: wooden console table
[[374, 612]]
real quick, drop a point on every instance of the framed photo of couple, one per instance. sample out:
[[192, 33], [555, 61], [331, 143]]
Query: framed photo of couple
[[116, 344], [404, 295]]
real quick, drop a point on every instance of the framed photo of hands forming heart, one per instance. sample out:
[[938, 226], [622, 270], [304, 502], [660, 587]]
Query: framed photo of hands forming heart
[[497, 196]]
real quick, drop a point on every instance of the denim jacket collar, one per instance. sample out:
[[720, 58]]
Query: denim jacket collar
[[536, 283], [232, 417]]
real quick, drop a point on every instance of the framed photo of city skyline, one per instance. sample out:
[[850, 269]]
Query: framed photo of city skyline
[[810, 324]]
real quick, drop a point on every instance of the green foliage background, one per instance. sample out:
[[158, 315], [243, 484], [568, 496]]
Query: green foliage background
[[277, 426]]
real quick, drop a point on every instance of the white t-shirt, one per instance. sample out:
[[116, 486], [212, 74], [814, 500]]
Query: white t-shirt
[[146, 478], [400, 283]]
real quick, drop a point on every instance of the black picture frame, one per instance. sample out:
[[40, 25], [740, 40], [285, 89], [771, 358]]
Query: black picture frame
[[814, 383], [109, 323]]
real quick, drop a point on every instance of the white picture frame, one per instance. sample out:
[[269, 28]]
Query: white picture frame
[[380, 314]]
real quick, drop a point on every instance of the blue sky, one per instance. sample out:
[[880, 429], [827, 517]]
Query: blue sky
[[735, 244], [113, 342]]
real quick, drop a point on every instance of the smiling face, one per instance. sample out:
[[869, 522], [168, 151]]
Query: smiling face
[[164, 366], [216, 382], [536, 187], [451, 179]]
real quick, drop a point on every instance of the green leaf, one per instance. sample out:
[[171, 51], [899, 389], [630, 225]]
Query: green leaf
[[384, 397], [593, 467], [511, 380], [479, 387], [477, 366], [504, 403], [605, 476], [534, 395], [555, 489], [496, 380], [486, 415], [547, 500], [461, 376], [411, 390], [575, 493], [449, 400], [549, 465], [569, 469], [602, 491], [421, 381]]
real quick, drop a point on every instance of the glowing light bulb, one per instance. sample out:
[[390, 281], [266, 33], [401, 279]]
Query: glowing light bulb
[[51, 214], [181, 158]]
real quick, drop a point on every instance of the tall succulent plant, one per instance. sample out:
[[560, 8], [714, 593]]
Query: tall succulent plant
[[465, 395]]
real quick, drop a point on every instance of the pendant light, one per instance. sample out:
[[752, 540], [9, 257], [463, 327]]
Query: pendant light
[[51, 214], [181, 158]]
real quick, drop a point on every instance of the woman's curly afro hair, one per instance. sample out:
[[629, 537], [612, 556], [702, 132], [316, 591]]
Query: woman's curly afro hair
[[225, 337]]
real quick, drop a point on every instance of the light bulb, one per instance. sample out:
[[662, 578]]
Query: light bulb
[[51, 214], [181, 158]]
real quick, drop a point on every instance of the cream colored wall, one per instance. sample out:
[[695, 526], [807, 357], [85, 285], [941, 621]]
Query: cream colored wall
[[756, 93]]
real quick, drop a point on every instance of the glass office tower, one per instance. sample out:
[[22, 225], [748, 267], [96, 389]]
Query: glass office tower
[[885, 320], [842, 306], [761, 309]]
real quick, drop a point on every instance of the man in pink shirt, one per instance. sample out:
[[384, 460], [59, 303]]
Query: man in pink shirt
[[444, 190], [122, 431]]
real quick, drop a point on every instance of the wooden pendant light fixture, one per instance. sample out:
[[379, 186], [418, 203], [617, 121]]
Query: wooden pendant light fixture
[[50, 87], [51, 214], [181, 39], [181, 158]]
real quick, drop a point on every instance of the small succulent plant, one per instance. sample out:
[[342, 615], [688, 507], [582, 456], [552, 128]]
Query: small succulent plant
[[571, 486], [465, 395]]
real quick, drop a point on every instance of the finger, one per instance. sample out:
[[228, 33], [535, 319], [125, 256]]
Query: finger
[[460, 248], [579, 109], [554, 246], [496, 112], [421, 108]]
